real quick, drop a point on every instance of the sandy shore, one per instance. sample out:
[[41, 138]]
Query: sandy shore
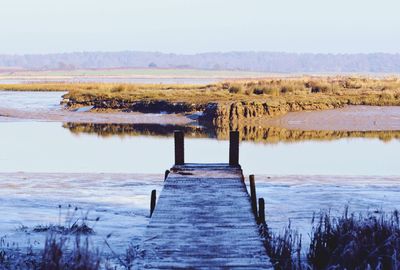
[[350, 118]]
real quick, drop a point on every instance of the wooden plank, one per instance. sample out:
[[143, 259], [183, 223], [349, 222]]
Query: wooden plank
[[203, 220]]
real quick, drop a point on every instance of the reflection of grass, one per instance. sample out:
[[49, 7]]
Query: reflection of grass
[[346, 242], [123, 130], [247, 132], [287, 94]]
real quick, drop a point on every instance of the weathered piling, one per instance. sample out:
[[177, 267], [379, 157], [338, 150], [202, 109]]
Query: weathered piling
[[166, 174], [234, 148], [253, 195], [179, 147], [153, 201], [261, 211]]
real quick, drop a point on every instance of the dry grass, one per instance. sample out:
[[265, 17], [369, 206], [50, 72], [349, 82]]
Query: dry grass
[[345, 242], [347, 90]]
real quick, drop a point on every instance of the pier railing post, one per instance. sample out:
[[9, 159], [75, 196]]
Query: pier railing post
[[179, 148], [153, 201], [234, 148], [253, 196], [261, 211], [166, 174]]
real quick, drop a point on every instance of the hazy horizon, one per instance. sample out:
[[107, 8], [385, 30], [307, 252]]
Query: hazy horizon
[[192, 27], [196, 53]]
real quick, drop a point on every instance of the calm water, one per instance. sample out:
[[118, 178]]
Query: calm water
[[30, 100], [49, 147]]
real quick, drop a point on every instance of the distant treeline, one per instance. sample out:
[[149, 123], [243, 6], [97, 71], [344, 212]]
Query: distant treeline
[[250, 61]]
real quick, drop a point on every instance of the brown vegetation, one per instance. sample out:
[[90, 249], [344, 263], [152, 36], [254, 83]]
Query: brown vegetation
[[230, 100]]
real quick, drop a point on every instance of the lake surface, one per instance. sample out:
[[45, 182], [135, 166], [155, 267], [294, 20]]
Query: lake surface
[[110, 170]]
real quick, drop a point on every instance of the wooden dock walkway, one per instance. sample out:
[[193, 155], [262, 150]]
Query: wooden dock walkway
[[204, 220]]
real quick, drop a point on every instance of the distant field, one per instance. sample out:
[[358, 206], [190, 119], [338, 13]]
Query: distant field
[[147, 73], [148, 76]]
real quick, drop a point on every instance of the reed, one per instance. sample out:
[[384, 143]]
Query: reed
[[349, 241]]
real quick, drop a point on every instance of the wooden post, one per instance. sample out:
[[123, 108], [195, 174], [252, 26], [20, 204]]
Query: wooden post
[[253, 196], [153, 201], [234, 148], [166, 174], [261, 211], [179, 148]]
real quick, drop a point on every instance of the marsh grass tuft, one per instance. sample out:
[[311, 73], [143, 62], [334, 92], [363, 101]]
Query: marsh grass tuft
[[346, 242], [284, 249], [57, 255], [75, 223], [356, 242]]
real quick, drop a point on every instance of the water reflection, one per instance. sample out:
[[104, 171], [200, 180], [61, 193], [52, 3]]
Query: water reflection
[[123, 130], [247, 133], [48, 147]]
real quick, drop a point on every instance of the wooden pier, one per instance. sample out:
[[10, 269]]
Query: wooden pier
[[204, 218]]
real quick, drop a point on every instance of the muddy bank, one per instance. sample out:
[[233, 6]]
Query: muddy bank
[[144, 106], [7, 114], [215, 113], [236, 112], [309, 115], [349, 118], [251, 115]]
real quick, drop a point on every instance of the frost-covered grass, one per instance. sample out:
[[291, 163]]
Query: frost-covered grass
[[65, 252], [59, 252], [74, 224], [67, 246], [350, 241]]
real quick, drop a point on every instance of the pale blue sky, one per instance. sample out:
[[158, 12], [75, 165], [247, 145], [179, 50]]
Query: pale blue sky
[[191, 26]]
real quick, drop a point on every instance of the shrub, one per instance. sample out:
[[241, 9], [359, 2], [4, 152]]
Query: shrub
[[319, 87], [118, 88], [258, 91], [267, 90], [235, 89]]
